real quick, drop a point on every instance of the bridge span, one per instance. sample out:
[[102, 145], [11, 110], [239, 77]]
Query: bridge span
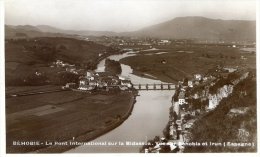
[[163, 86]]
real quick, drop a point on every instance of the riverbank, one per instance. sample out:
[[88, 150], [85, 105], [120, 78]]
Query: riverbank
[[91, 135], [176, 63], [236, 105], [62, 117], [239, 109]]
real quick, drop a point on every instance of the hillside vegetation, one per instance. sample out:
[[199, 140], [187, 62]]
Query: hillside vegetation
[[234, 120], [25, 57]]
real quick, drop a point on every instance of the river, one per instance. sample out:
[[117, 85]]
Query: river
[[148, 119]]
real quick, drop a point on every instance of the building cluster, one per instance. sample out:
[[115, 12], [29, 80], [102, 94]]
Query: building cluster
[[183, 101], [103, 80], [71, 68], [129, 41], [183, 113]]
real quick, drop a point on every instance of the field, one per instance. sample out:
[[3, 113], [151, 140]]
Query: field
[[172, 64], [61, 116]]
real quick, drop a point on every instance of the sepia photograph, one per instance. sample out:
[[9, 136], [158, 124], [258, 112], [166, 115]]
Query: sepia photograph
[[130, 76]]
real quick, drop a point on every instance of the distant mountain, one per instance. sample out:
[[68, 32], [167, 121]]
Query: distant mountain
[[201, 28], [192, 27], [28, 31], [46, 28], [26, 28], [49, 31]]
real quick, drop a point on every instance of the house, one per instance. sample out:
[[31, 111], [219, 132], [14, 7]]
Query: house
[[89, 73], [230, 70], [179, 128], [114, 79], [101, 84], [181, 98], [164, 42], [190, 84], [197, 83], [92, 83], [83, 81], [178, 122], [123, 87], [126, 83], [213, 102], [90, 78], [59, 62], [86, 87], [195, 96], [85, 84], [189, 124], [205, 79], [197, 77]]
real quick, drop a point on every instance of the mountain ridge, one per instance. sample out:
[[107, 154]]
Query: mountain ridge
[[188, 27]]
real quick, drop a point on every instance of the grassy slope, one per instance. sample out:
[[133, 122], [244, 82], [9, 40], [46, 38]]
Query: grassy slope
[[24, 57], [181, 64]]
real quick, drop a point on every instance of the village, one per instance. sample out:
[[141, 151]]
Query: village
[[192, 99], [89, 80], [148, 41]]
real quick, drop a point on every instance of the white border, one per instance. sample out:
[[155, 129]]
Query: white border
[[2, 103], [2, 81]]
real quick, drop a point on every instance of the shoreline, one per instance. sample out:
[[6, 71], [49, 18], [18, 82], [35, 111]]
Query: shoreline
[[90, 134]]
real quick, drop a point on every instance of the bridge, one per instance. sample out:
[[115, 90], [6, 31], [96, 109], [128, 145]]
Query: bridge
[[163, 86]]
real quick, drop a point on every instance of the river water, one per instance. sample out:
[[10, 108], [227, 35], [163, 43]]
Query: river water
[[148, 119]]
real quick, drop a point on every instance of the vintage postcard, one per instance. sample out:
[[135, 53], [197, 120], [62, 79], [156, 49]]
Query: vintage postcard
[[130, 76]]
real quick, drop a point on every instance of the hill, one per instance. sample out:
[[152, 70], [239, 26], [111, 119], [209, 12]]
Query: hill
[[201, 28], [28, 31], [46, 28], [23, 58]]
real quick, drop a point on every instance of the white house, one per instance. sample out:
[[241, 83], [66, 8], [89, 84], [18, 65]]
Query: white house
[[86, 87], [123, 87], [197, 77], [230, 70], [85, 84], [126, 83], [190, 84], [181, 98]]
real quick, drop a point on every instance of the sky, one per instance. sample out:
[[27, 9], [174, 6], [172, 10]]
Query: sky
[[120, 15]]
